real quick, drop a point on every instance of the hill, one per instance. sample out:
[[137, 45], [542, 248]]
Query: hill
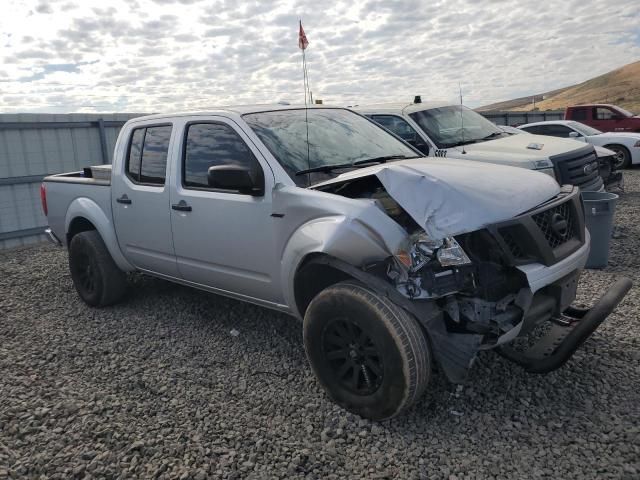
[[620, 87]]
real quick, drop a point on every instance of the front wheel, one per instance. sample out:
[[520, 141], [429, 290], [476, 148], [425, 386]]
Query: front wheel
[[97, 278], [622, 158], [370, 355]]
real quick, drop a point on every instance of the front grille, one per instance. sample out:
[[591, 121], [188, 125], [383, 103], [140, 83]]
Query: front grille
[[579, 168], [545, 221], [512, 244], [546, 234]]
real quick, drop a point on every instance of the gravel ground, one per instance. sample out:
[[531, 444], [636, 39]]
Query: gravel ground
[[175, 383]]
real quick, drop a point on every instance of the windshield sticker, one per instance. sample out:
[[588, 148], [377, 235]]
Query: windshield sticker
[[535, 146]]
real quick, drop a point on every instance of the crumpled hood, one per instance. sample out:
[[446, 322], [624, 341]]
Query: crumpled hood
[[449, 197], [513, 150]]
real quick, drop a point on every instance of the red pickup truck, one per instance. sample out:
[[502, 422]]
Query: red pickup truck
[[604, 117]]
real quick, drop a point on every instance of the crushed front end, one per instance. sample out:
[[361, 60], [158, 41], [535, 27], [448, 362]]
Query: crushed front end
[[494, 287]]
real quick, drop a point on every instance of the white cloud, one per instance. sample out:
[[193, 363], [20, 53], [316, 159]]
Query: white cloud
[[162, 55]]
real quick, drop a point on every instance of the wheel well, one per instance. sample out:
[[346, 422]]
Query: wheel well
[[311, 278], [78, 224], [617, 145]]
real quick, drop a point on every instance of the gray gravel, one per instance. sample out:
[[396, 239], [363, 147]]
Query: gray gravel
[[160, 387]]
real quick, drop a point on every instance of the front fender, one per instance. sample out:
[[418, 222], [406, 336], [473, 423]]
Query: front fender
[[347, 239], [86, 208]]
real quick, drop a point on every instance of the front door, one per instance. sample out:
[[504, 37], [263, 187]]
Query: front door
[[223, 239], [141, 201]]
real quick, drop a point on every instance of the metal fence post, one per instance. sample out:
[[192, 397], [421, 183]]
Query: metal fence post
[[103, 141]]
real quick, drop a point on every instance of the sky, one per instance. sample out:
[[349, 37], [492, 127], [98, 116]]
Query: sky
[[166, 55]]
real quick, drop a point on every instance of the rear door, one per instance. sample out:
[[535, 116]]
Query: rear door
[[223, 239], [141, 200]]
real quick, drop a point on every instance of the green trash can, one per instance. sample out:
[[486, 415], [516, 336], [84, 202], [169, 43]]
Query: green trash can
[[599, 209]]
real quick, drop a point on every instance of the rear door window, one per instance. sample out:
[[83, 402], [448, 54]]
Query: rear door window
[[135, 151], [147, 158], [579, 114], [153, 167]]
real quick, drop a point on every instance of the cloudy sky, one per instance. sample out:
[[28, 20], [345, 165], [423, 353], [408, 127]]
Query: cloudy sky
[[162, 55]]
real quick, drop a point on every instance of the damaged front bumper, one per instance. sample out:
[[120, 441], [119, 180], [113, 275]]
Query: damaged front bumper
[[567, 332]]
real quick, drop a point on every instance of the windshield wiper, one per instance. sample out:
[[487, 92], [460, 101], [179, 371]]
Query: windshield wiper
[[383, 159], [357, 164], [491, 135], [324, 168]]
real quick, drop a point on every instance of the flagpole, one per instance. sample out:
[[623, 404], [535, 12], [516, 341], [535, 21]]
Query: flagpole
[[302, 43]]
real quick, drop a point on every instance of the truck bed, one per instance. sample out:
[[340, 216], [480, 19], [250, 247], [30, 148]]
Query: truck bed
[[99, 175], [76, 188]]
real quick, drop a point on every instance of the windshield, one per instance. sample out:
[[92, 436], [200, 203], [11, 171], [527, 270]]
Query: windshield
[[336, 137], [444, 126], [585, 130]]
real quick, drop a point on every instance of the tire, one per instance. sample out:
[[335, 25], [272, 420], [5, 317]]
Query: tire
[[370, 356], [97, 278], [622, 158]]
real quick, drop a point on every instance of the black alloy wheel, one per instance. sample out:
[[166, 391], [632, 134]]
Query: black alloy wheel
[[353, 356]]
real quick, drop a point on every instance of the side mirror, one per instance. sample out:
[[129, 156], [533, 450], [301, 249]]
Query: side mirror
[[574, 134], [236, 177]]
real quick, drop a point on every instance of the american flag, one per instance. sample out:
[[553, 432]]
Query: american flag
[[302, 38]]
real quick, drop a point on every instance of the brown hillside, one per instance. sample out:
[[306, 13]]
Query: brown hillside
[[620, 87]]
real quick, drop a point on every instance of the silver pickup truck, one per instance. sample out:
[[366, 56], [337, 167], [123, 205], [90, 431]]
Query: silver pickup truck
[[395, 263]]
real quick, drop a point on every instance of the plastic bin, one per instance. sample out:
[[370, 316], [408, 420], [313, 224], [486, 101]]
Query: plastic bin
[[599, 209]]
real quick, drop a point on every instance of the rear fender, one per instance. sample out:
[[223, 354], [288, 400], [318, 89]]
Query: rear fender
[[90, 210]]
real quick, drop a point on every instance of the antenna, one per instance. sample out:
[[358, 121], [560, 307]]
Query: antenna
[[461, 117]]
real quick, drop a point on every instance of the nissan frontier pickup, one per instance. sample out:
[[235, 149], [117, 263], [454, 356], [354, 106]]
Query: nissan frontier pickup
[[394, 262]]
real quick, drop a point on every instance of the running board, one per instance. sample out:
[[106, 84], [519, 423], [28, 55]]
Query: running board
[[567, 333]]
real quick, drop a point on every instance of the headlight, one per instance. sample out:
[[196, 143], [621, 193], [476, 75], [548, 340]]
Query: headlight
[[451, 253], [420, 250], [540, 164]]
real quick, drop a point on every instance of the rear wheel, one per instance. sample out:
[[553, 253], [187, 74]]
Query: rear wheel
[[97, 278], [622, 158], [370, 355]]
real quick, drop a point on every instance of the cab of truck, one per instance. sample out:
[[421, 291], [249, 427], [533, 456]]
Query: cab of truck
[[604, 117], [441, 129]]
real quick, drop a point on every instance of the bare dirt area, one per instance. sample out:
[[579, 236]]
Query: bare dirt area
[[176, 383]]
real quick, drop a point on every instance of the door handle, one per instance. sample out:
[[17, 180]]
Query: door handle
[[124, 199], [181, 206]]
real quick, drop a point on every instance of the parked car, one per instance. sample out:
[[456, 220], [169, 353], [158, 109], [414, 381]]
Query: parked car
[[608, 161], [626, 145], [604, 117], [398, 262], [441, 129]]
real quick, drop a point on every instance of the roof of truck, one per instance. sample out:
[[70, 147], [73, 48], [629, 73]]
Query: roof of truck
[[237, 109], [592, 105], [399, 107]]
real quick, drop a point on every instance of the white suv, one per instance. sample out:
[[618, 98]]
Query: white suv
[[441, 129]]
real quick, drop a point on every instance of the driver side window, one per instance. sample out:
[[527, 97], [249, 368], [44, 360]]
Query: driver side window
[[400, 127], [604, 113]]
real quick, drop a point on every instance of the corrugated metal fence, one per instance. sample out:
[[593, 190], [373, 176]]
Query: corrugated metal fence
[[35, 145], [520, 118]]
